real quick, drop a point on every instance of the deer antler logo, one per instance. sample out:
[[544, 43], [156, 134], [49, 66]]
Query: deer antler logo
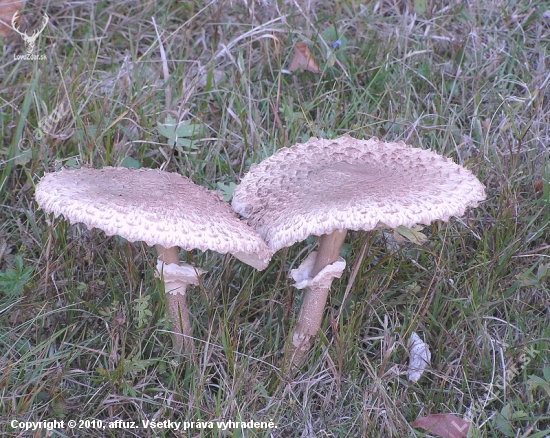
[[29, 40]]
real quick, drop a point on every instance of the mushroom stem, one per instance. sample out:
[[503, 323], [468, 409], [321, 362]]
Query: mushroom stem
[[315, 296], [329, 250], [176, 303], [179, 314], [168, 255], [308, 322]]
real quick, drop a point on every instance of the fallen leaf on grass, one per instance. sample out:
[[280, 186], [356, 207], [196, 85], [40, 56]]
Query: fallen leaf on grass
[[443, 425], [412, 234], [419, 357], [7, 9], [538, 187], [303, 59]]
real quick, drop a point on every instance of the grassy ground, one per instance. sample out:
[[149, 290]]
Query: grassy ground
[[83, 331]]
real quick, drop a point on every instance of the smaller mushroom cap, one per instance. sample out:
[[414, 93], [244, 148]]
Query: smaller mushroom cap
[[320, 186], [156, 207]]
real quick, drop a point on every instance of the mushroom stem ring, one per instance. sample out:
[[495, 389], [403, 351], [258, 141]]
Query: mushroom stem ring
[[176, 302]]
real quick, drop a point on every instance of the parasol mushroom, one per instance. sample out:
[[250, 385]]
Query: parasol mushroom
[[326, 187], [159, 208]]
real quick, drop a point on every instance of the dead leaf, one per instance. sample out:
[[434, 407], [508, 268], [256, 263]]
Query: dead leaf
[[538, 187], [303, 59], [7, 9], [443, 425], [412, 234], [419, 357]]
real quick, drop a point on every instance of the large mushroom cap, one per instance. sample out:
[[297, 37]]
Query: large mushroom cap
[[321, 186], [156, 207]]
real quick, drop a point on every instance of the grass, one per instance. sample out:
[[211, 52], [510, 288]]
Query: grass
[[83, 331]]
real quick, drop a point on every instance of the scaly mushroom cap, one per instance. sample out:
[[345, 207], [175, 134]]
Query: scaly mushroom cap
[[320, 186], [156, 207]]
